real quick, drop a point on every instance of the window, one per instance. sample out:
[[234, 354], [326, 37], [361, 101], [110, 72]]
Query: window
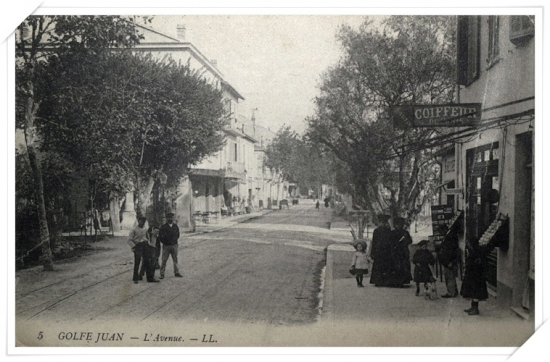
[[522, 28], [228, 108], [236, 159], [494, 51], [467, 49]]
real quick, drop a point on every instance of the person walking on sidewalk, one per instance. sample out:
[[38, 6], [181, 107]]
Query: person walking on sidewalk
[[138, 241], [169, 234], [422, 259], [474, 286], [381, 253], [359, 262], [447, 254]]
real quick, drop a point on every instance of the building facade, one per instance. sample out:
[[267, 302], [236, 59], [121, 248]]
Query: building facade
[[493, 162], [203, 193]]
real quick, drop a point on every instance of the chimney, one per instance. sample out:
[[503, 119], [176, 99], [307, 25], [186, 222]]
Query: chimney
[[181, 32], [254, 121]]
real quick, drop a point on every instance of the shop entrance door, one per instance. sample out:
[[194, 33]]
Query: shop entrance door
[[483, 195]]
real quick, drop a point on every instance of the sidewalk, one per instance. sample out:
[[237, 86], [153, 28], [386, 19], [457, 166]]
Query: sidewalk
[[374, 316], [220, 224]]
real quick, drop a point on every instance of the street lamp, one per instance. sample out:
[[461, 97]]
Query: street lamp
[[163, 178]]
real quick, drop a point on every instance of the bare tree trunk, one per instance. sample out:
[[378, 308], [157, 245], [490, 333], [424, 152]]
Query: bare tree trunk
[[30, 114], [114, 211], [144, 197]]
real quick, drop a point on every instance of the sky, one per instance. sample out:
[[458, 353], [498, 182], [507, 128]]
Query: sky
[[274, 61]]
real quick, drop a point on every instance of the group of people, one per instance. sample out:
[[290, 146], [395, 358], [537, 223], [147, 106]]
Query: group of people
[[146, 246], [390, 254], [391, 262]]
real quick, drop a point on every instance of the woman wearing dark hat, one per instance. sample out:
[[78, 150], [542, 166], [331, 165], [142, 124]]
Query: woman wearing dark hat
[[359, 261], [474, 286], [381, 253], [400, 243]]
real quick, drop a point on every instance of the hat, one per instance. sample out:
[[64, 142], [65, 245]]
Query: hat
[[170, 214], [383, 217], [359, 241], [423, 242]]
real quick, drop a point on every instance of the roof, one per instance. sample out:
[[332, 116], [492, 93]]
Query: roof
[[156, 41]]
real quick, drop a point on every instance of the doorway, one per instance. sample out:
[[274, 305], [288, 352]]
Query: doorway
[[483, 197], [523, 213]]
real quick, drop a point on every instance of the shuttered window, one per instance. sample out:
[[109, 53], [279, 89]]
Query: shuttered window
[[467, 49], [522, 28], [494, 30]]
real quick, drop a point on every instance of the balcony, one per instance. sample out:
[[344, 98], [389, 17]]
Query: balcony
[[235, 170]]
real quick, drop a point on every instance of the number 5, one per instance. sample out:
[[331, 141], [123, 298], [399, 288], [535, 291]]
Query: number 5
[[40, 335]]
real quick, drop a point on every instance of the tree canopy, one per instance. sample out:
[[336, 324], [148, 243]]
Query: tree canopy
[[404, 60], [119, 116], [298, 160], [38, 38]]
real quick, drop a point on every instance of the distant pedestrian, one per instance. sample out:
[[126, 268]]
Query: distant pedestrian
[[359, 262], [149, 252], [474, 286], [139, 242], [169, 234], [317, 205], [422, 260], [381, 253], [448, 257]]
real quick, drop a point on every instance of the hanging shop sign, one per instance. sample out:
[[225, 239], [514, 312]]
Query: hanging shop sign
[[436, 115], [453, 191]]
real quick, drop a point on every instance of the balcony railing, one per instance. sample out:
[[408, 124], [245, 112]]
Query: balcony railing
[[235, 170]]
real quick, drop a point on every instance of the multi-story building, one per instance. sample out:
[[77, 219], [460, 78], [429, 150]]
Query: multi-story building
[[493, 161], [218, 183]]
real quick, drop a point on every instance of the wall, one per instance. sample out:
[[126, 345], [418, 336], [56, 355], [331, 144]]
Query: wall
[[511, 78]]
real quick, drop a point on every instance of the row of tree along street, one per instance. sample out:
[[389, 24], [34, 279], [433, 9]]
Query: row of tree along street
[[90, 109]]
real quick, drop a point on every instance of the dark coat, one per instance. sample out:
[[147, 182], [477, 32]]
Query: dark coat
[[169, 235], [474, 284], [422, 260], [381, 253], [402, 256], [447, 252]]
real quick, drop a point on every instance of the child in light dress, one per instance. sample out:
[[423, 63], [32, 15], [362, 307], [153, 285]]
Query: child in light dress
[[359, 262]]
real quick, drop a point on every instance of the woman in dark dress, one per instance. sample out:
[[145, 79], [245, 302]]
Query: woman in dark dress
[[401, 241], [381, 253], [474, 286]]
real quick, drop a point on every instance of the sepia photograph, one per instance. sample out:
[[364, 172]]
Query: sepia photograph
[[307, 179]]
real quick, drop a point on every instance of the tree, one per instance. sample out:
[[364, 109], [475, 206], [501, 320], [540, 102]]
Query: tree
[[124, 119], [406, 60], [37, 39], [298, 160]]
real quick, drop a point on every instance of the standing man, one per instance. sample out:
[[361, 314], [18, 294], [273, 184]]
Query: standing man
[[139, 242], [447, 254], [168, 235]]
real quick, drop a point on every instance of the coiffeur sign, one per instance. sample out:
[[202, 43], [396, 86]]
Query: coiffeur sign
[[436, 115]]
